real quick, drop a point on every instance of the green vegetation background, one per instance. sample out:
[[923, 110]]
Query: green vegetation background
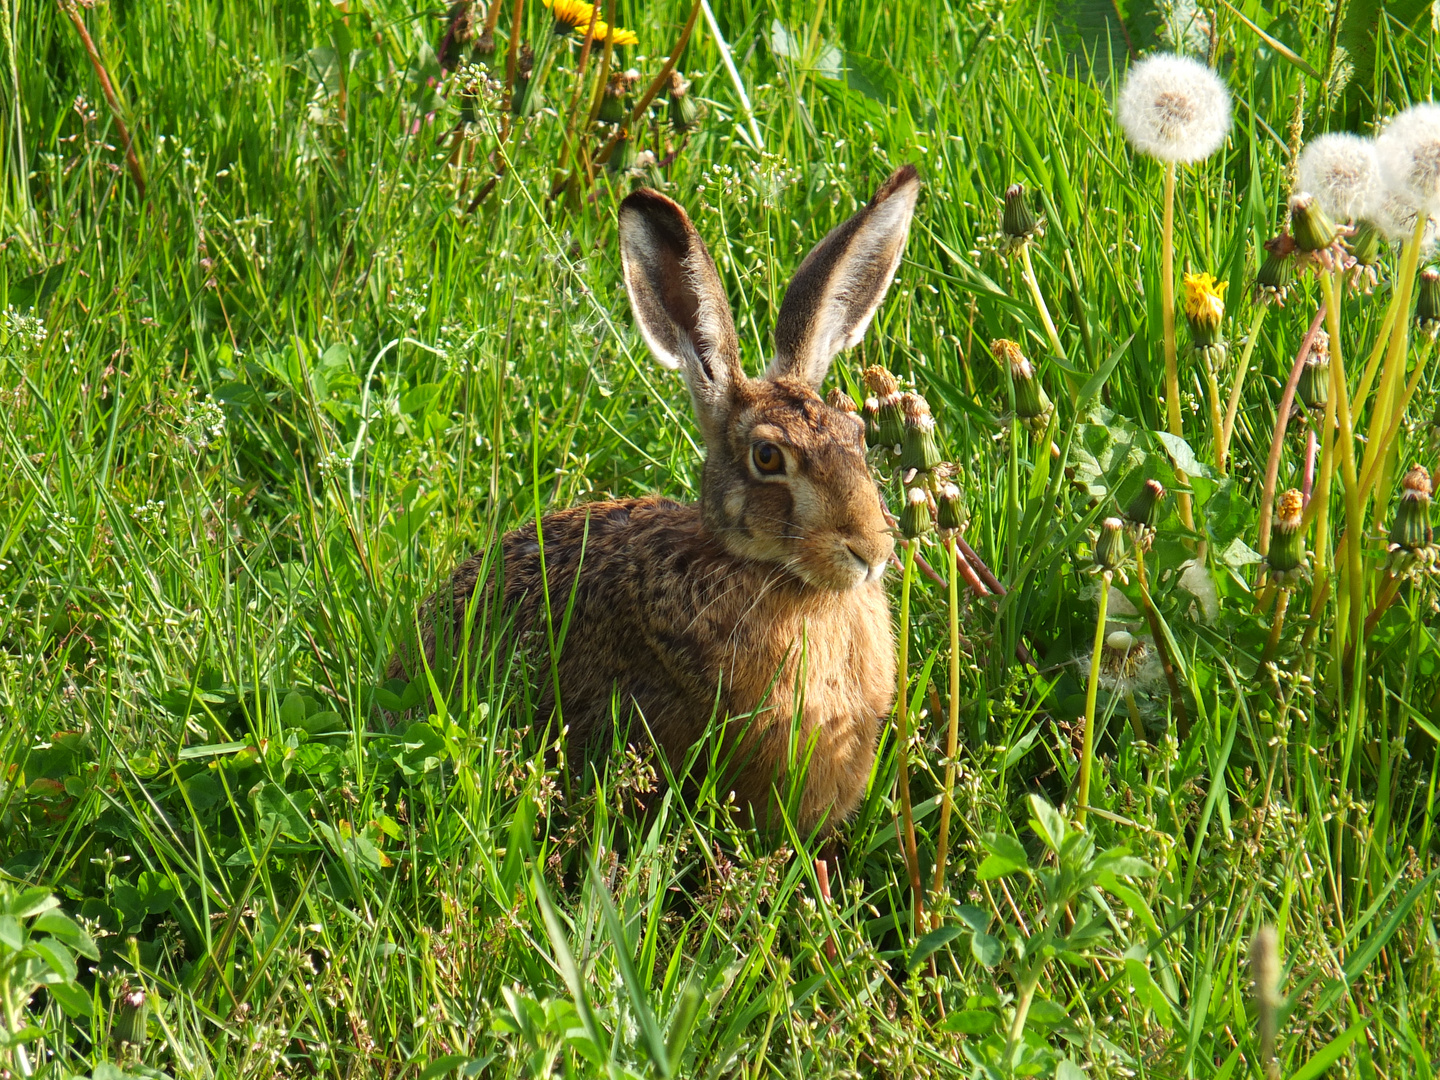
[[253, 417]]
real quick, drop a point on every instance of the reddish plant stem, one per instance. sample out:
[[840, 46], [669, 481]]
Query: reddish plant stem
[[132, 160], [1282, 420], [655, 86], [1312, 448]]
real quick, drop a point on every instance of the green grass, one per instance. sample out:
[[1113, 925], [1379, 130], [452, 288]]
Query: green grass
[[254, 417]]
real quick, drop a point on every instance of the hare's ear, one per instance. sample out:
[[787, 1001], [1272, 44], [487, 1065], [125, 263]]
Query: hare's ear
[[835, 292], [677, 299]]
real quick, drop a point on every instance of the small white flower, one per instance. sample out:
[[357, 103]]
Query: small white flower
[[1174, 109], [1342, 172], [1409, 151]]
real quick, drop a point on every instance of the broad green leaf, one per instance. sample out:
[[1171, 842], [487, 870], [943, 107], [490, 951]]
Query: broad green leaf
[[935, 939]]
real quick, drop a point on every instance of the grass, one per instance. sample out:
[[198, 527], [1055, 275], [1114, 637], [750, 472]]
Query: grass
[[255, 416]]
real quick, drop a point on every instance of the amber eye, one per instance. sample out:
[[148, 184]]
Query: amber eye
[[768, 459]]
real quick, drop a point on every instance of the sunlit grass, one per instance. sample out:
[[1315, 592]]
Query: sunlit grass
[[253, 418]]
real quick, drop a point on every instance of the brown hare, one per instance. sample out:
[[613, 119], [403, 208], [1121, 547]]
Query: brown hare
[[761, 605]]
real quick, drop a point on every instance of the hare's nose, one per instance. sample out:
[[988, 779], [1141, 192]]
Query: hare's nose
[[861, 561]]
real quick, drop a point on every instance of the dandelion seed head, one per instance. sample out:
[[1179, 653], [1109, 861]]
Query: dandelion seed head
[[1342, 171], [1395, 215], [1174, 109], [1409, 155]]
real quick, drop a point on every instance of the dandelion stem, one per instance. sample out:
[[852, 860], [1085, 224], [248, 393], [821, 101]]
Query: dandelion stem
[[656, 85], [952, 734], [1152, 616], [1027, 272], [1399, 334], [1340, 393], [902, 737], [1277, 623], [1277, 439], [1087, 750], [1167, 324], [1232, 407]]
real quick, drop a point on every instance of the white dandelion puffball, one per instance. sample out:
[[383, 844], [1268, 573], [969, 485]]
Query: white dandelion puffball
[[1174, 109], [1342, 171], [1395, 216], [1409, 152]]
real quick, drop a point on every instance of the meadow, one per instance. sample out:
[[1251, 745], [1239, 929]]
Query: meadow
[[303, 303]]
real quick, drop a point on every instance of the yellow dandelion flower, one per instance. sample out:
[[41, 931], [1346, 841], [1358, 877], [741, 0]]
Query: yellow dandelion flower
[[1204, 298], [572, 15], [620, 36]]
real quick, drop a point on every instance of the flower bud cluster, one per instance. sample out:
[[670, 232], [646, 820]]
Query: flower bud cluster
[[1032, 404], [1412, 540], [901, 426], [1288, 561]]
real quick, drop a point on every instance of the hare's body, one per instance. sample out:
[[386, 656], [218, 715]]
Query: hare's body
[[763, 604], [664, 617]]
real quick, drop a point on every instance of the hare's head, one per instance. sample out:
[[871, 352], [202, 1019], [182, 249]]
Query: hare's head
[[785, 476]]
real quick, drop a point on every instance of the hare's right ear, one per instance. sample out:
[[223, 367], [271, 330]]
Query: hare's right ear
[[680, 305], [834, 294]]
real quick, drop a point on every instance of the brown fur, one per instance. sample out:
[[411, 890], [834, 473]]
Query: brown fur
[[766, 597]]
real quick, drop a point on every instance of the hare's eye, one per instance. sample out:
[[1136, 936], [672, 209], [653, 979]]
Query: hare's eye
[[767, 458]]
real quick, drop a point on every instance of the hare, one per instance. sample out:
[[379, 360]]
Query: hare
[[763, 604]]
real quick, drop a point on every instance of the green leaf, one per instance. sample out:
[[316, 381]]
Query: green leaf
[[1181, 454], [1006, 856], [1049, 824], [12, 934], [935, 939], [987, 949], [56, 957], [968, 1022], [75, 1002], [441, 1066], [31, 902], [67, 930], [292, 709]]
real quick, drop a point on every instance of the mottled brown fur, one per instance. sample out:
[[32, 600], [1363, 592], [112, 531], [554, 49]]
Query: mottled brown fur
[[763, 603]]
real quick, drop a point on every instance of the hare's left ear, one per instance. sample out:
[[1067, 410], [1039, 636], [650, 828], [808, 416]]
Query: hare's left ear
[[835, 292]]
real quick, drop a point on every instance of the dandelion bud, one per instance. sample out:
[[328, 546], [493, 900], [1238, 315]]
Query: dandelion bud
[[918, 449], [1312, 227], [1314, 386], [1366, 244], [131, 1017], [624, 157], [684, 113], [1204, 307], [890, 417], [1144, 508], [871, 413], [1110, 547], [526, 99], [1032, 404], [1277, 271], [614, 104], [1411, 532], [485, 43], [951, 512], [1017, 221], [1287, 540], [915, 516], [1427, 302]]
